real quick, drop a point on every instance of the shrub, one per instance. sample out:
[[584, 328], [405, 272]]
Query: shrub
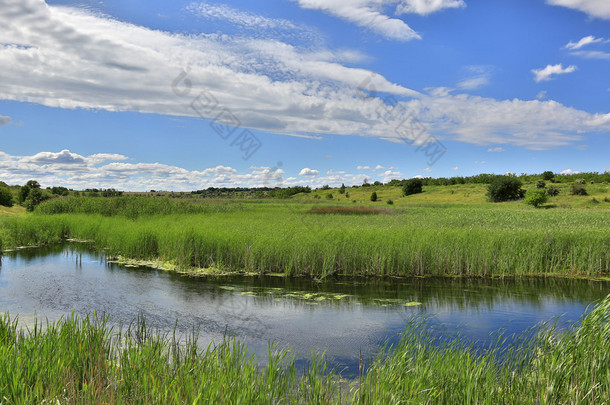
[[60, 191], [578, 189], [329, 196], [6, 197], [536, 197], [374, 196], [580, 181], [342, 189], [412, 186], [505, 188], [390, 202], [540, 184], [552, 191], [594, 200], [548, 175]]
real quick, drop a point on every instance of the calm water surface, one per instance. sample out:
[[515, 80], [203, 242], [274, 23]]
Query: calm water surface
[[341, 317]]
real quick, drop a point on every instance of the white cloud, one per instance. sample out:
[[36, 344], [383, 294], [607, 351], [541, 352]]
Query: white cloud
[[594, 8], [496, 149], [364, 13], [424, 7], [534, 124], [546, 73], [390, 175], [569, 171], [599, 120], [427, 169], [592, 54], [477, 77], [102, 157], [363, 168], [583, 42], [238, 17], [309, 172], [379, 167], [456, 168], [5, 120], [72, 170], [69, 58], [370, 14], [541, 95]]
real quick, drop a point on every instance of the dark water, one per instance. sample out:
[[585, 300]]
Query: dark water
[[341, 317]]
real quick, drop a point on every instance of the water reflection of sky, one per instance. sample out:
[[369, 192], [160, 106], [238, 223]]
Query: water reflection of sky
[[55, 282]]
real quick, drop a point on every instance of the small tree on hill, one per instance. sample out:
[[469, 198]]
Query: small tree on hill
[[33, 184], [412, 186], [505, 188], [536, 197], [548, 175], [374, 196], [342, 189]]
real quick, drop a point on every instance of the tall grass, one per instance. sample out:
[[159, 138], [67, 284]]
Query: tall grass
[[286, 238], [130, 206], [550, 368], [84, 361]]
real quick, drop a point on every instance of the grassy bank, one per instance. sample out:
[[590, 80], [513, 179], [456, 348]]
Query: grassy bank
[[300, 238], [83, 361]]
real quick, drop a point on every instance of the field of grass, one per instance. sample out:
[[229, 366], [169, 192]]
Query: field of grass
[[83, 361], [459, 194], [289, 237]]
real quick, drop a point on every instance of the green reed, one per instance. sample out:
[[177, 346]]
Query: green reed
[[83, 360], [287, 238]]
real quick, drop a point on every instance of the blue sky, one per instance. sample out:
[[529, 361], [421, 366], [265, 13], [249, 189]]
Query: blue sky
[[185, 95]]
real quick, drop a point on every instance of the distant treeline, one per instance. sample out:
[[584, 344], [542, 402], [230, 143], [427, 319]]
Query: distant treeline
[[256, 192], [486, 178]]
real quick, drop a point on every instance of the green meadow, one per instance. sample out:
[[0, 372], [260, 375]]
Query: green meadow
[[444, 231]]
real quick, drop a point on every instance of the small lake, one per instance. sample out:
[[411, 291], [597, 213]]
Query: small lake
[[339, 316]]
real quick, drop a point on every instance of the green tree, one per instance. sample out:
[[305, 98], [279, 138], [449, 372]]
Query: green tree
[[34, 198], [342, 189], [412, 186], [6, 197], [536, 197], [60, 191], [548, 175], [23, 194], [540, 184], [374, 196], [33, 184], [505, 188]]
